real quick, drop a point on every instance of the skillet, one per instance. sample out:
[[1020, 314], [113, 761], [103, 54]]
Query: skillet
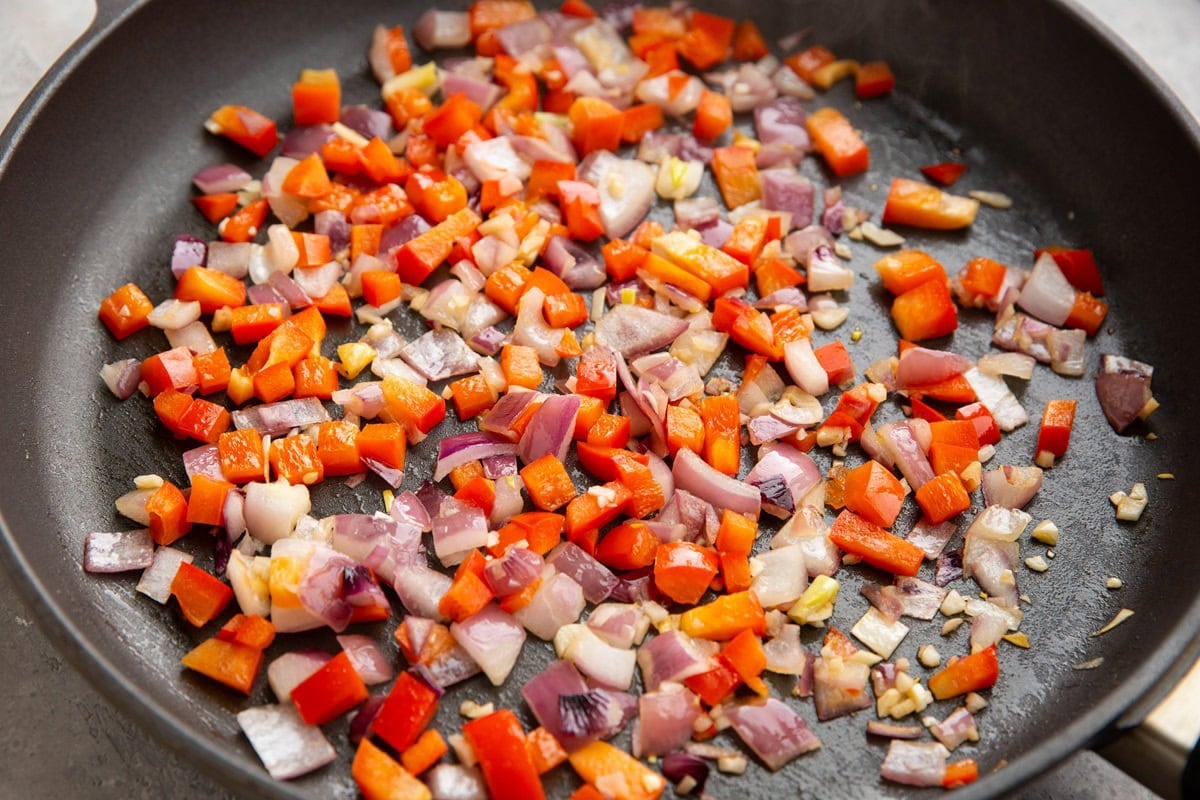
[[93, 175]]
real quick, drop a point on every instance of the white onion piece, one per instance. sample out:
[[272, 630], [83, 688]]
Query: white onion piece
[[273, 509], [622, 625], [915, 763], [493, 159], [1018, 365], [804, 368], [455, 782], [879, 633], [290, 210], [317, 281], [171, 315], [156, 580], [626, 188], [442, 29], [783, 577], [132, 505], [998, 399], [784, 654], [999, 523], [288, 747], [921, 366], [595, 657], [657, 90], [195, 337], [1011, 487], [121, 377], [825, 272], [493, 639], [987, 627], [292, 669], [249, 577], [282, 252], [290, 559], [1047, 294], [532, 330], [558, 601], [672, 656], [421, 589], [118, 551]]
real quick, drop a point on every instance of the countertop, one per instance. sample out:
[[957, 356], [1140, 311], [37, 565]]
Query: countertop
[[63, 740]]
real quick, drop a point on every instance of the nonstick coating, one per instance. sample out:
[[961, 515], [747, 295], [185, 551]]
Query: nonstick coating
[[94, 178]]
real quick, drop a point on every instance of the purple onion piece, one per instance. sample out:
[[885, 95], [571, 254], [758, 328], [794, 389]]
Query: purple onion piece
[[368, 121], [302, 141], [332, 223], [360, 723], [391, 476], [272, 419], [499, 466], [573, 561], [122, 377], [454, 451], [264, 293], [121, 551], [431, 496], [584, 714], [949, 567], [678, 766], [188, 251], [222, 549], [220, 178]]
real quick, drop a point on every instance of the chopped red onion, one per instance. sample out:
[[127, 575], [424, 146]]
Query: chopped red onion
[[122, 377], [993, 565], [370, 122], [499, 466], [308, 282], [558, 601], [578, 268], [804, 368], [322, 589], [333, 223], [671, 656], [500, 418], [518, 38], [694, 475], [797, 471], [367, 659], [542, 693], [493, 639], [421, 589], [790, 84], [833, 218], [462, 448], [533, 331], [408, 509], [839, 685], [551, 429], [1123, 388], [287, 746], [801, 244], [892, 730], [1024, 334], [290, 210], [119, 551], [783, 577], [202, 460], [585, 716], [900, 442], [273, 509], [608, 666], [360, 723], [220, 178], [696, 212], [634, 589], [292, 669], [626, 189], [677, 767], [931, 538], [998, 399], [1011, 487], [436, 30], [988, 626], [915, 763], [949, 567], [788, 190], [1047, 293], [920, 366], [665, 720], [513, 571], [955, 729], [773, 731], [441, 354], [573, 561], [188, 251], [262, 294], [364, 399], [156, 580], [784, 654], [458, 528], [633, 330], [825, 271], [917, 598], [657, 90], [301, 141], [782, 120], [1066, 349], [620, 624], [274, 419]]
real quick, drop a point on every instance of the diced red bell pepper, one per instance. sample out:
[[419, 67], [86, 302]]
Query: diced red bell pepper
[[408, 710], [508, 770], [329, 692]]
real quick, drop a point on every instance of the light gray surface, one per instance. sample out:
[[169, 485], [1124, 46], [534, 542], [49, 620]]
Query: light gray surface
[[62, 740]]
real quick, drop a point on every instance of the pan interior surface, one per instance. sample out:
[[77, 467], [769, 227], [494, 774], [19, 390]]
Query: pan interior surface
[[1038, 106]]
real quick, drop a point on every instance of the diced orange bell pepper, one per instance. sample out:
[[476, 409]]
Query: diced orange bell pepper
[[201, 596], [873, 79], [836, 140], [126, 311], [308, 178], [874, 545], [230, 663], [211, 288], [874, 493], [737, 175], [1058, 418], [245, 126], [684, 570], [381, 777], [967, 674], [925, 312], [920, 205], [943, 497], [725, 617], [167, 509], [622, 775], [908, 269]]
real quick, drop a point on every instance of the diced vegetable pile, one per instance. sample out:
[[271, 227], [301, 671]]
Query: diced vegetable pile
[[504, 199]]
